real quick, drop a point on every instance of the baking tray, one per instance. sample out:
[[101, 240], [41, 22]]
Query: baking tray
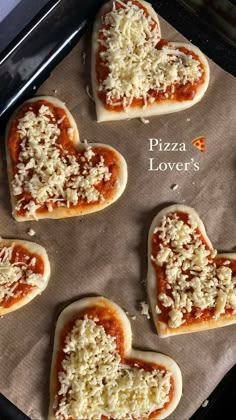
[[28, 61]]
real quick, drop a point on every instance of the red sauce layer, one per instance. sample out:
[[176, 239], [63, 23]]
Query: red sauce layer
[[190, 317], [182, 92], [14, 146], [20, 254], [108, 319]]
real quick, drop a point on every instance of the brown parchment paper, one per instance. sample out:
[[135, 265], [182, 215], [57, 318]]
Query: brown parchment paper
[[105, 253]]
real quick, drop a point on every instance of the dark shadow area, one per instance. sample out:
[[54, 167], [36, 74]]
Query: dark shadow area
[[4, 185], [221, 402]]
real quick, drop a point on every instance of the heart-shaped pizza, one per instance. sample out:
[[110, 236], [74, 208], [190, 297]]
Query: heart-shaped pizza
[[96, 374], [52, 174], [136, 73], [24, 273], [190, 286]]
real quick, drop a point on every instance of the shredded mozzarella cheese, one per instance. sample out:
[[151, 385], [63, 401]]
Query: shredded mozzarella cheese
[[145, 309], [14, 273], [194, 280], [144, 120], [135, 66], [94, 382], [50, 174]]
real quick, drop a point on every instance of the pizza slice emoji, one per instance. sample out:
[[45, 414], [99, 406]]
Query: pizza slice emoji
[[199, 143]]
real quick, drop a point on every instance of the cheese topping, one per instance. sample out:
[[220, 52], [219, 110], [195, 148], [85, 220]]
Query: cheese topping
[[49, 174], [194, 281], [14, 273], [94, 383], [136, 68], [145, 309]]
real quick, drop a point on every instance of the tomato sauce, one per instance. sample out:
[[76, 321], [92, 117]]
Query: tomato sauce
[[107, 318], [14, 146], [20, 254], [202, 314], [181, 93]]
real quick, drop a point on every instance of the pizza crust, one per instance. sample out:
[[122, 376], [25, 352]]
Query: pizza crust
[[163, 330], [152, 357], [165, 107], [33, 248], [63, 212], [102, 113]]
